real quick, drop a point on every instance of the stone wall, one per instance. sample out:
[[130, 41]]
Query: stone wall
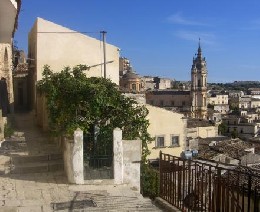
[[2, 124], [127, 158], [6, 70], [42, 113]]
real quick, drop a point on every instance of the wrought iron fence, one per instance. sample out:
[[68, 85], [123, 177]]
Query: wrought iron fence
[[206, 186]]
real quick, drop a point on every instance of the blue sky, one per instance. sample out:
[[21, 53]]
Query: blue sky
[[160, 37]]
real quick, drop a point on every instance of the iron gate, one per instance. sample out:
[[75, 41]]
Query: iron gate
[[98, 155]]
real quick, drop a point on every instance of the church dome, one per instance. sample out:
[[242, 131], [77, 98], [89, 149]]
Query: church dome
[[130, 75]]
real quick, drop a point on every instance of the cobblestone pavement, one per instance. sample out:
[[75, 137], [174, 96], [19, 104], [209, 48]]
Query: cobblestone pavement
[[49, 190]]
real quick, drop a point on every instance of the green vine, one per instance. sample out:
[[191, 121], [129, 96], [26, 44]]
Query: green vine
[[73, 101]]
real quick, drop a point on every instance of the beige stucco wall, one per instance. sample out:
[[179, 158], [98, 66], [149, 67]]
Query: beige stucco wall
[[202, 132], [166, 123], [218, 99], [168, 100], [255, 103], [65, 47], [8, 12], [69, 48], [165, 83]]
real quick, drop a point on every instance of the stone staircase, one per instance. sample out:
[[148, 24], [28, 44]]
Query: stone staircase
[[32, 179]]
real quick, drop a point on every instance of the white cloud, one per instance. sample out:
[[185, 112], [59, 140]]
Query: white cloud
[[179, 19], [206, 37]]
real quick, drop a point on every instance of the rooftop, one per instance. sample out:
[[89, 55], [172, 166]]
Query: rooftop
[[169, 92], [233, 148], [191, 123]]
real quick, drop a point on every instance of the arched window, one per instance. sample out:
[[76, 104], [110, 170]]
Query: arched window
[[134, 87]]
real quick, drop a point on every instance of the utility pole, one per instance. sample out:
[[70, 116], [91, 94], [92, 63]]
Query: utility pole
[[104, 51]]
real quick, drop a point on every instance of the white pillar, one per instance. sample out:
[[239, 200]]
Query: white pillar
[[77, 157], [118, 156], [73, 158]]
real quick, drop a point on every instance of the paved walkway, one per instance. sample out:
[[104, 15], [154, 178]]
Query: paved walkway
[[49, 191]]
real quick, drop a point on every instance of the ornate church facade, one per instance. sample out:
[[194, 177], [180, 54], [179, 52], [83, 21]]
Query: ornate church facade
[[191, 102]]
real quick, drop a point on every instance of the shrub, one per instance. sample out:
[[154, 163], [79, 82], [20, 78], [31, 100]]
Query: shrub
[[149, 181]]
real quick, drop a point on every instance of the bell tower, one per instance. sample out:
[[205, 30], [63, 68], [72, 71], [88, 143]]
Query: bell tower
[[199, 86]]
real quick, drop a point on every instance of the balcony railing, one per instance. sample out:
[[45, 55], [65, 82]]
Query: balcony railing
[[205, 186]]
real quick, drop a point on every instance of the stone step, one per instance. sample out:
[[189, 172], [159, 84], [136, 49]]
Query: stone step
[[35, 158], [37, 167], [109, 203]]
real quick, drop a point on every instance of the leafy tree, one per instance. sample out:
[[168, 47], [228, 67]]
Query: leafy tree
[[234, 109], [222, 128], [75, 101], [210, 106], [234, 134]]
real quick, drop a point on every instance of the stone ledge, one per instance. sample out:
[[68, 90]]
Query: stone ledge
[[164, 205]]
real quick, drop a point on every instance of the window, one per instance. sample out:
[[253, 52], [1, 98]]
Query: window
[[199, 85], [159, 141], [175, 140], [134, 87], [6, 59]]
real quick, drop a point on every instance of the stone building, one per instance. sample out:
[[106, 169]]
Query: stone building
[[163, 83], [254, 92], [131, 82], [199, 86], [58, 47], [124, 65], [149, 83], [171, 99], [240, 127], [9, 11], [218, 99]]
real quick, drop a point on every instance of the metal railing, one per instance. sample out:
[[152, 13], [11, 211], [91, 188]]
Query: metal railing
[[193, 185]]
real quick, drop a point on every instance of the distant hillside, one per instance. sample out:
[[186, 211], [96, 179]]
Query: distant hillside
[[237, 85]]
